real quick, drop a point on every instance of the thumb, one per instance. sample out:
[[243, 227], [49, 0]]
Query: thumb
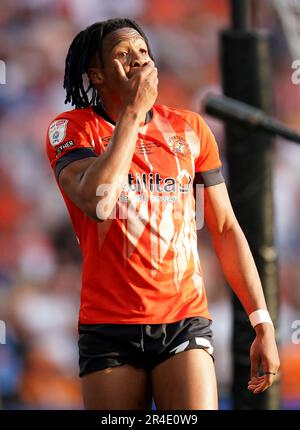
[[120, 70]]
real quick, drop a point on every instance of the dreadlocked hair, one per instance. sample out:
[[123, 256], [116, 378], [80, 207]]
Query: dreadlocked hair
[[83, 48]]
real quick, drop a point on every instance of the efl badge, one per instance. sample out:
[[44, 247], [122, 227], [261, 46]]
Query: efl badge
[[57, 131]]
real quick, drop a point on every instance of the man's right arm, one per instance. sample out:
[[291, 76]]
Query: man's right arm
[[81, 179]]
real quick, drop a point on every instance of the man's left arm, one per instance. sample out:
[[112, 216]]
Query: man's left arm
[[240, 271]]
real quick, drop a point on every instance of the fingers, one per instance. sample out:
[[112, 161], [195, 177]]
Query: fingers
[[260, 384], [263, 355], [152, 77], [141, 72], [120, 70], [256, 382], [268, 378], [149, 65], [148, 69]]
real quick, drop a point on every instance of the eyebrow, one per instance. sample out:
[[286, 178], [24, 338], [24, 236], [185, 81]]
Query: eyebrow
[[122, 40]]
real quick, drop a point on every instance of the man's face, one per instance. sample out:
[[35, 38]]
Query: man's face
[[127, 46]]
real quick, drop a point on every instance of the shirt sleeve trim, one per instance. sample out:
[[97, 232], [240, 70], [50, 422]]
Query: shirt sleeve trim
[[209, 178], [74, 155]]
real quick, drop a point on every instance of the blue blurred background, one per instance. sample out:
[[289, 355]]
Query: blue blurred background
[[40, 263]]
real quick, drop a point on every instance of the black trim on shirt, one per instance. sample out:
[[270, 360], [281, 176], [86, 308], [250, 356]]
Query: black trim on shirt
[[74, 155], [209, 178], [101, 112]]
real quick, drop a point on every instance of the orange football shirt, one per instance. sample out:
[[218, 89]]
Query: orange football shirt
[[141, 266]]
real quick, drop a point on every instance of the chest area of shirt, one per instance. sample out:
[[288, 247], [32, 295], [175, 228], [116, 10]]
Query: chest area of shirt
[[165, 151], [167, 155]]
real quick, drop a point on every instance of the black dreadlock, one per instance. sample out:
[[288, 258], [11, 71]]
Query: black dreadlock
[[85, 45]]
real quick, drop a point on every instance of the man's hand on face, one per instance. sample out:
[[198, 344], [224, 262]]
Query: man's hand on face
[[138, 87]]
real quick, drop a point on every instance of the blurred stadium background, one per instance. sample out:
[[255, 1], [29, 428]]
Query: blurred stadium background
[[40, 264]]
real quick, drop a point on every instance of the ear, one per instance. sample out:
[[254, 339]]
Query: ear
[[95, 76]]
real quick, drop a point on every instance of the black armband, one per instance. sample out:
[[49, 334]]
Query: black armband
[[74, 155], [209, 178]]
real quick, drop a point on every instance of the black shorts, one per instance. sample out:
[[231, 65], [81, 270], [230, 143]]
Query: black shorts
[[141, 345]]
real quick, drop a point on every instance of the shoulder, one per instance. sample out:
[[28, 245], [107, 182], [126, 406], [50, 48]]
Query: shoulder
[[72, 121], [192, 118], [74, 117]]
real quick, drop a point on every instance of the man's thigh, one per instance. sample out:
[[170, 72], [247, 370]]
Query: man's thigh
[[120, 387], [185, 381]]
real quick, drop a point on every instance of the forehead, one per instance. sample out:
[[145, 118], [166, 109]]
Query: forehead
[[125, 34]]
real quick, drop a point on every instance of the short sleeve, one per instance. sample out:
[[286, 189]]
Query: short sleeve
[[66, 142], [209, 157], [208, 163]]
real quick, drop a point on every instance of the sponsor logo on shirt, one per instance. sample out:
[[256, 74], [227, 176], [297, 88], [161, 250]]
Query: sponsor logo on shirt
[[64, 146], [153, 182]]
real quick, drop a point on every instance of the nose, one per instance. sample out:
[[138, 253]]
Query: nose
[[139, 60]]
